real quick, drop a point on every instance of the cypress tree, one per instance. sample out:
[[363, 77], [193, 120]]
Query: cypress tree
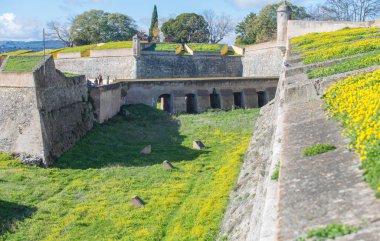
[[154, 32]]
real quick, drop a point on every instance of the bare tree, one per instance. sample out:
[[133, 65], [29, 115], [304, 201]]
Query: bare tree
[[61, 32], [351, 10], [218, 26]]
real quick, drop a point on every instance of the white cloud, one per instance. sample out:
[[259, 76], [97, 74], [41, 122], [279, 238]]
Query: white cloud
[[14, 28]]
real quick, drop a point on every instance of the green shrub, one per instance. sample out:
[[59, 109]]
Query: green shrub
[[329, 232], [276, 173], [318, 149]]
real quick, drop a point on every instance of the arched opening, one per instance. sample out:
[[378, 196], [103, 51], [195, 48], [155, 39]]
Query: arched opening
[[214, 100], [164, 103], [191, 104], [262, 98], [238, 100]]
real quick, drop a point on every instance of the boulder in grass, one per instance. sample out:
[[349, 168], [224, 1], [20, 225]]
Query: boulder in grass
[[137, 202], [147, 150], [167, 165], [198, 145]]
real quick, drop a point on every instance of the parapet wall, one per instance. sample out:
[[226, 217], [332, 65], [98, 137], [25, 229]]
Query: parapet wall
[[115, 67], [43, 113]]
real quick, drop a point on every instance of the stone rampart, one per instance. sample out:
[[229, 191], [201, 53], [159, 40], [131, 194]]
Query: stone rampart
[[107, 101], [183, 66], [114, 67], [262, 60], [43, 113]]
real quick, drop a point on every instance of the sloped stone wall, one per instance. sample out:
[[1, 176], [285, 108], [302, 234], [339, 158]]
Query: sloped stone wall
[[43, 113]]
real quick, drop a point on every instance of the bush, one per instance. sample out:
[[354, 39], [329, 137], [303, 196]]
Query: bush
[[318, 149]]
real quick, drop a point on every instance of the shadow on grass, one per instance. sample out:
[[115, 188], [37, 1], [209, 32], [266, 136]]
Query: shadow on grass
[[10, 213], [120, 141]]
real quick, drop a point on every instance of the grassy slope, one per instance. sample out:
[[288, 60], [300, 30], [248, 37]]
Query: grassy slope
[[17, 52], [22, 63], [88, 192], [197, 47], [81, 49], [355, 101], [115, 45]]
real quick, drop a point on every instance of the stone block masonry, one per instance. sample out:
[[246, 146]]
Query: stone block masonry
[[42, 113], [182, 66]]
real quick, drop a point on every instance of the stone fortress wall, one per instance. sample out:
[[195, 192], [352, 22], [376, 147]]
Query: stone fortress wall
[[42, 113]]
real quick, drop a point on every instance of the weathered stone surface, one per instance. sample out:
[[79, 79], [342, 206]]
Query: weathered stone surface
[[324, 189], [42, 113], [167, 165], [147, 150], [29, 159], [137, 202], [198, 145]]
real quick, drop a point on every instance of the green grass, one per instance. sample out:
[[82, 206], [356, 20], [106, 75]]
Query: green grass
[[318, 149], [17, 52], [329, 232], [22, 63], [197, 47], [115, 45], [276, 173], [80, 49], [70, 74], [365, 61], [86, 195], [163, 47]]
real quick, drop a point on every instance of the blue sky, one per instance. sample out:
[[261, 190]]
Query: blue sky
[[24, 19]]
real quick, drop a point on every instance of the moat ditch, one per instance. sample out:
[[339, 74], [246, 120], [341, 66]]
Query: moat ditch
[[88, 190]]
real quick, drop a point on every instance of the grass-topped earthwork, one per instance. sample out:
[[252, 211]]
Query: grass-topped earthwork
[[22, 63], [329, 232], [88, 191], [319, 47], [163, 47], [318, 149], [84, 50], [17, 52], [115, 45], [198, 47]]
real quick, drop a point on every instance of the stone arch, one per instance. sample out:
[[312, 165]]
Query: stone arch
[[164, 103], [215, 100], [238, 100], [262, 97], [191, 104]]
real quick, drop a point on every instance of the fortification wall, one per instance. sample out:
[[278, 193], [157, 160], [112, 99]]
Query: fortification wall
[[43, 113], [107, 101], [114, 67], [299, 27], [182, 66], [262, 60]]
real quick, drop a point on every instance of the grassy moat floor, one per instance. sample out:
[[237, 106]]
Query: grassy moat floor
[[86, 195]]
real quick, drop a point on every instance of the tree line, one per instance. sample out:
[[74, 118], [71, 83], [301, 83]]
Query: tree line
[[98, 26]]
